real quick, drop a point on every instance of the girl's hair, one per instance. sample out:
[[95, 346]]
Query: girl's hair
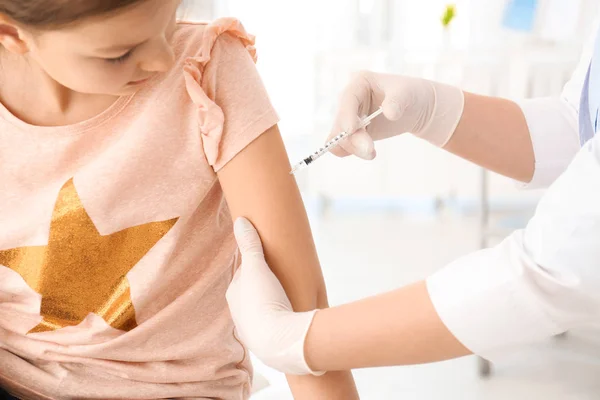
[[56, 13]]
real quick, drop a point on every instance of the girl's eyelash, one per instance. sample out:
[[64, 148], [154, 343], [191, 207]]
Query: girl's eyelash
[[121, 59]]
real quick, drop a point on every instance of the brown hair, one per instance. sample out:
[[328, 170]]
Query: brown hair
[[56, 13]]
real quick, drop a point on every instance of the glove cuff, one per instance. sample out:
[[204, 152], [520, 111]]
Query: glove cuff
[[293, 359], [449, 105]]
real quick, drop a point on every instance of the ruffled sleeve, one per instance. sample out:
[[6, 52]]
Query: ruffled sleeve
[[224, 84]]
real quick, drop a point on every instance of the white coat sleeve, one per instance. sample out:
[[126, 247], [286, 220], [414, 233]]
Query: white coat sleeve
[[553, 123], [540, 281]]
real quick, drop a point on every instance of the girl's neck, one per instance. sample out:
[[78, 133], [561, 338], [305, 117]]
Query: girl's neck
[[28, 92]]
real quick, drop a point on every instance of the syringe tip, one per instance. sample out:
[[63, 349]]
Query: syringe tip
[[295, 169]]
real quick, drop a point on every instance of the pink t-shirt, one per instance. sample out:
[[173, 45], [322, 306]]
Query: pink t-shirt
[[116, 244]]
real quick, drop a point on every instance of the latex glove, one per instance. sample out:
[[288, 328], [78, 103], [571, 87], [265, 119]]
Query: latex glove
[[262, 312], [427, 109]]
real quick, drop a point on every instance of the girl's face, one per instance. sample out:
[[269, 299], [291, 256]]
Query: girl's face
[[108, 55]]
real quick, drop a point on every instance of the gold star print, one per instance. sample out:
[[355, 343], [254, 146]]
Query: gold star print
[[80, 271]]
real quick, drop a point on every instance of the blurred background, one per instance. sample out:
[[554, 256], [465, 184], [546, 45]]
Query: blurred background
[[382, 224]]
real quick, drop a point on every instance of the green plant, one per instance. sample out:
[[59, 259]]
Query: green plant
[[449, 14]]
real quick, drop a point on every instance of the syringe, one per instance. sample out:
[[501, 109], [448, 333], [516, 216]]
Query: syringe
[[333, 143]]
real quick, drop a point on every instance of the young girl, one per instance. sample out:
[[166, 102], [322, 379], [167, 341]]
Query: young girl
[[128, 143]]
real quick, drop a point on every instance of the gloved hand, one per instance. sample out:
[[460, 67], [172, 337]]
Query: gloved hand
[[262, 312], [427, 109]]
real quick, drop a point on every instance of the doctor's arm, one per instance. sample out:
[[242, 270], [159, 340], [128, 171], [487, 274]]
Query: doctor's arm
[[539, 282], [530, 141]]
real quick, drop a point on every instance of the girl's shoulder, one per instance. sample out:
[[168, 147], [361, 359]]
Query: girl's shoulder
[[200, 42]]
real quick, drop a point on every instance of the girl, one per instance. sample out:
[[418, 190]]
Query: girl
[[123, 133]]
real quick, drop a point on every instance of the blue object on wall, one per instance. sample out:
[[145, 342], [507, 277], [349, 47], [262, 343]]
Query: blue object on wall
[[520, 15]]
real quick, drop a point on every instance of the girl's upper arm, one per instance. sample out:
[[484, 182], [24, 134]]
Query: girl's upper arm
[[258, 186]]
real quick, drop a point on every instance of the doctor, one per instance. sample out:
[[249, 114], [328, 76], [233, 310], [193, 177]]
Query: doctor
[[540, 281]]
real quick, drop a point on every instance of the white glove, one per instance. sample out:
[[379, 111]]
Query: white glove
[[262, 312], [430, 110]]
